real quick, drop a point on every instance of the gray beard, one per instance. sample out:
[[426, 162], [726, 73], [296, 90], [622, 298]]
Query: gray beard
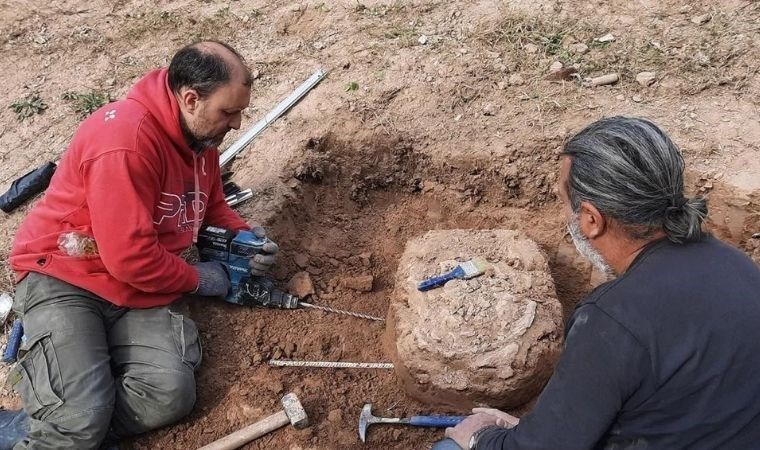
[[584, 247]]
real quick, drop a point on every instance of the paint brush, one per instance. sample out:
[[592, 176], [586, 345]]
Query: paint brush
[[463, 271]]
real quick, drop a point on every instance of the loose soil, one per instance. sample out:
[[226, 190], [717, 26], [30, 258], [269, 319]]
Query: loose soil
[[459, 129]]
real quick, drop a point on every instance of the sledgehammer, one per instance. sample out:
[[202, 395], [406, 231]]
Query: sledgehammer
[[366, 419], [292, 412]]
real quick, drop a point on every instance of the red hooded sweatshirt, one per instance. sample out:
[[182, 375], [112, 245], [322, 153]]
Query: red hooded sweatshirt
[[130, 181]]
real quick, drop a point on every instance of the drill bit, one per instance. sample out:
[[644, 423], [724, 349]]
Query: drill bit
[[329, 364], [341, 311]]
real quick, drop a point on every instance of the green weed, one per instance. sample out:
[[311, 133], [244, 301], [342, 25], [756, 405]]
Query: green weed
[[28, 106], [86, 104]]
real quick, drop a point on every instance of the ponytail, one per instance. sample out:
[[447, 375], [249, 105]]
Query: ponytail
[[683, 220]]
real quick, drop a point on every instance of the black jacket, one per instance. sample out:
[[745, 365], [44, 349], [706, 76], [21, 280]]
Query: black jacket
[[666, 356]]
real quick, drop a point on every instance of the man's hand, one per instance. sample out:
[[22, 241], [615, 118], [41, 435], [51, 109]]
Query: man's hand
[[502, 419], [213, 280], [262, 262], [462, 433]]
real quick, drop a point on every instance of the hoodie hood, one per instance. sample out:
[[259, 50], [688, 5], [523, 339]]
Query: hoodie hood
[[153, 92]]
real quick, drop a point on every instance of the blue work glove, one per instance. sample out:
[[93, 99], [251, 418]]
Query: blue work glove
[[262, 262], [213, 280]]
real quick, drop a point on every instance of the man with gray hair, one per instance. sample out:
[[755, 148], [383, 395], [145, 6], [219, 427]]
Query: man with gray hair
[[664, 356]]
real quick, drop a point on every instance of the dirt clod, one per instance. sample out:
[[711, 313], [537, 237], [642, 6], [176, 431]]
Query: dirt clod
[[301, 285], [361, 283]]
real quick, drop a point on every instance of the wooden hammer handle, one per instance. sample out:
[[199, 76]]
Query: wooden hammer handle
[[249, 433]]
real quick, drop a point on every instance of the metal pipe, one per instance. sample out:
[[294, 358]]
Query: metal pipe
[[273, 115]]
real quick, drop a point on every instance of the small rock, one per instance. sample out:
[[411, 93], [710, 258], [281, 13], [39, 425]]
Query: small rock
[[620, 97], [702, 59], [646, 78], [336, 415], [457, 118], [295, 8], [301, 260], [366, 258], [603, 80], [579, 48], [422, 40], [515, 80], [556, 66], [502, 85], [257, 358], [530, 48], [637, 98], [319, 45], [255, 74], [700, 20], [301, 285], [110, 81], [396, 434], [488, 110], [361, 283], [606, 38]]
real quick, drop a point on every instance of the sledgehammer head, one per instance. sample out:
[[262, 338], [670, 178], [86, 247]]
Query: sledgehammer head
[[295, 412]]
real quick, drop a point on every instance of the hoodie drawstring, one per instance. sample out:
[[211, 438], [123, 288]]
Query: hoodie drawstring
[[197, 202]]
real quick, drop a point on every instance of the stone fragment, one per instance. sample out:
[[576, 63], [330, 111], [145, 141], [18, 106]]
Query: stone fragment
[[336, 415], [361, 283], [301, 260], [515, 80], [556, 66], [646, 78], [530, 48], [603, 80], [579, 48], [701, 19], [301, 285], [423, 40], [490, 340], [606, 38]]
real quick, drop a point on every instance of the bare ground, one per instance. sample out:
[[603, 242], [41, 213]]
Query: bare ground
[[459, 128]]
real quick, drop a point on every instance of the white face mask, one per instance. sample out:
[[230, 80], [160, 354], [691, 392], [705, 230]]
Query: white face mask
[[584, 247]]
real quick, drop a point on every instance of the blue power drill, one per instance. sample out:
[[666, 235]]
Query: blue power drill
[[234, 249]]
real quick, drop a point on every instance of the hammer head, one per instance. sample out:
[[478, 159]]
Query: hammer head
[[295, 412], [365, 420]]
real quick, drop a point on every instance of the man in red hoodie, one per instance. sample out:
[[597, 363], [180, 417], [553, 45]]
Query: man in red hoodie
[[99, 258]]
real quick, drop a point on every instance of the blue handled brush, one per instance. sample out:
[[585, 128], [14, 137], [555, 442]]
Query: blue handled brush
[[463, 271]]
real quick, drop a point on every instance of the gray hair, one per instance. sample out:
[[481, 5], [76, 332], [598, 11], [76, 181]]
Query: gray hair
[[631, 171]]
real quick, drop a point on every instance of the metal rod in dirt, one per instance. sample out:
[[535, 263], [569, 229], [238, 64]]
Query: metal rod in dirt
[[329, 364], [271, 116], [342, 311]]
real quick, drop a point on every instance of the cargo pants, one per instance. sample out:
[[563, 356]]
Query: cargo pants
[[89, 370]]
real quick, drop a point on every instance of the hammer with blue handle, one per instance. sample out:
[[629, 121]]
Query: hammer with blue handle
[[366, 419]]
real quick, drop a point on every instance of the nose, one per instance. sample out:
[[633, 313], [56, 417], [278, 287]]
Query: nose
[[236, 120]]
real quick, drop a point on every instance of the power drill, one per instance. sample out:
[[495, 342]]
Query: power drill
[[234, 250]]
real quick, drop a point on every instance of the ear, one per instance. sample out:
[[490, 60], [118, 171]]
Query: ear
[[188, 100], [592, 222]]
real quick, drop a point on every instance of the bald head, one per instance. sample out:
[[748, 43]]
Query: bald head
[[205, 66]]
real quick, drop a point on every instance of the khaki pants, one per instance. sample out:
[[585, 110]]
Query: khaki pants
[[89, 370]]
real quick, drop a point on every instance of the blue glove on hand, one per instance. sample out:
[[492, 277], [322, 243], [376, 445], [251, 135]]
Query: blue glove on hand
[[262, 262], [213, 280]]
